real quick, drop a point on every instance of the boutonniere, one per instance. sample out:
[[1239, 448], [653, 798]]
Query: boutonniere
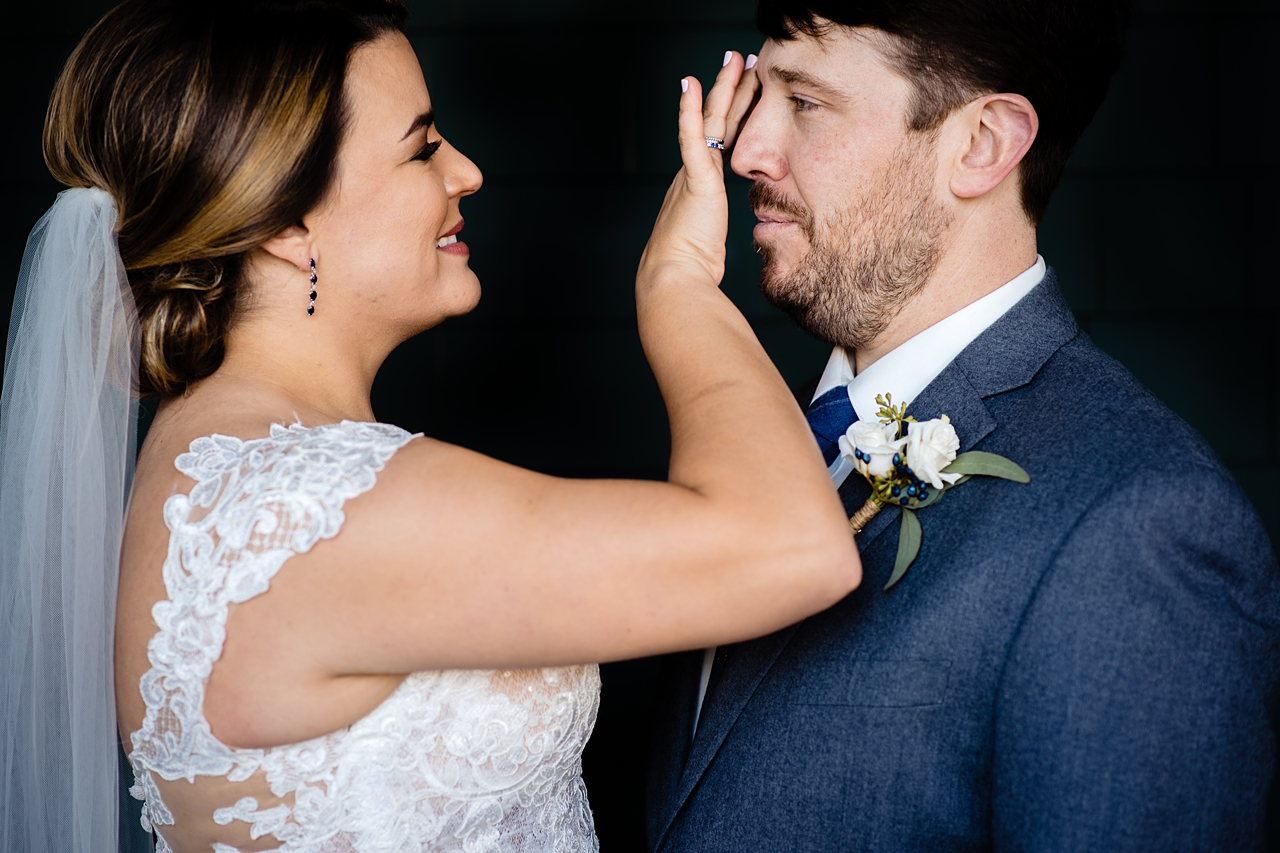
[[913, 464]]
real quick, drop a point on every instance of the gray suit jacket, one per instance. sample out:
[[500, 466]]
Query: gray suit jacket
[[1085, 663]]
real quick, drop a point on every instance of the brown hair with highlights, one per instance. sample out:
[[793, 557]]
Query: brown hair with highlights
[[214, 127]]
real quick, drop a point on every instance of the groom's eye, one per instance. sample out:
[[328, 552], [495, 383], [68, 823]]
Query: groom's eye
[[801, 104]]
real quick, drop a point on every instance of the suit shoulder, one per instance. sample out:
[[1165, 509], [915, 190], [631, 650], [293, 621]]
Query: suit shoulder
[[1091, 407], [1097, 441], [1155, 501]]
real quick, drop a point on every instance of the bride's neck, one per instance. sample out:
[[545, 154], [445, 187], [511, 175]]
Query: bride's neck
[[311, 369]]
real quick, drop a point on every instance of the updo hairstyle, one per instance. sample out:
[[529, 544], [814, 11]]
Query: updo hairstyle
[[214, 126]]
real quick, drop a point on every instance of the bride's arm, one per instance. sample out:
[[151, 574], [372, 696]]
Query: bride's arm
[[458, 560]]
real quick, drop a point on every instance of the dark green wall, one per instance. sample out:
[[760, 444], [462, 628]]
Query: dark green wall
[[1163, 234]]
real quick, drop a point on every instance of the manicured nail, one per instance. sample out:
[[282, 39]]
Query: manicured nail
[[728, 54], [684, 85], [751, 62]]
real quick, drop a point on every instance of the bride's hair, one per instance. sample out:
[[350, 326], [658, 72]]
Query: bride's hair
[[214, 126]]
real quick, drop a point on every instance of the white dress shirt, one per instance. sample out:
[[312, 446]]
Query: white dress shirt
[[905, 372]]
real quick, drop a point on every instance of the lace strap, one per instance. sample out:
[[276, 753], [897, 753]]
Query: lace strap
[[266, 500]]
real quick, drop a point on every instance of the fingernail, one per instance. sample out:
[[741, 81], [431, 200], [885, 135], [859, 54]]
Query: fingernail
[[728, 54], [751, 62], [684, 85]]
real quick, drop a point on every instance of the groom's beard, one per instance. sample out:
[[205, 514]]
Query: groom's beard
[[866, 261]]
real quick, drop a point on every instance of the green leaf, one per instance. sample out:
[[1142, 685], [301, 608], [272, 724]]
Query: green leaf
[[908, 546], [978, 463]]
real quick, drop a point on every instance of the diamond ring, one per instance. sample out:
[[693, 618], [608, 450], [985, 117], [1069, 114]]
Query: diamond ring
[[712, 142]]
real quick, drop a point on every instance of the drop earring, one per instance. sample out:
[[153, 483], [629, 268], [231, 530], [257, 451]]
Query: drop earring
[[311, 309]]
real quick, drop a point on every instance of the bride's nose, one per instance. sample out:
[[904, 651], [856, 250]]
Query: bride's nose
[[463, 177]]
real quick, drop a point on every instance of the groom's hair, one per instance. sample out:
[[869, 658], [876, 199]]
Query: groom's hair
[[1058, 54]]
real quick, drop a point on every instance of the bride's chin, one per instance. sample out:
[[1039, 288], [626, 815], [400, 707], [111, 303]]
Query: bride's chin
[[460, 304], [471, 300]]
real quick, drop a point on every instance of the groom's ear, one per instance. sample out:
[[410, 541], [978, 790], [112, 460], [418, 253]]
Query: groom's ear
[[994, 133], [293, 244]]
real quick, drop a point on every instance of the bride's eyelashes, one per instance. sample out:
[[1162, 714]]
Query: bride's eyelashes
[[428, 150]]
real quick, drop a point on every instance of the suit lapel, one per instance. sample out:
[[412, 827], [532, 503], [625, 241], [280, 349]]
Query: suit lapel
[[953, 395], [1004, 357], [672, 734], [742, 674]]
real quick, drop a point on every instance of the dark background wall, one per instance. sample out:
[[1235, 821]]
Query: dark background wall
[[1163, 234]]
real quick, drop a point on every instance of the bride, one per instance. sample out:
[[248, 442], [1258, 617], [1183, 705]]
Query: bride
[[331, 635]]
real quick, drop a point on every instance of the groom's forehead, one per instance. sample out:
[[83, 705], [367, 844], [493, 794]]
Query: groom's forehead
[[843, 62]]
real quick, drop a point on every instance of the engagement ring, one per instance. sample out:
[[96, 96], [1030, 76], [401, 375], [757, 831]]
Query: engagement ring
[[712, 142]]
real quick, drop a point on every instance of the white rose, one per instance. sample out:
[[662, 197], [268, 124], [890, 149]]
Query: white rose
[[932, 446], [876, 444]]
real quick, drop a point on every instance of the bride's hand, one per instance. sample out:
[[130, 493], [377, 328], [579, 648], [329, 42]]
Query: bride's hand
[[688, 239]]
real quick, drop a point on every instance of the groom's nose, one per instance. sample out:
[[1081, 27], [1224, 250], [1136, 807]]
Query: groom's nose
[[757, 153]]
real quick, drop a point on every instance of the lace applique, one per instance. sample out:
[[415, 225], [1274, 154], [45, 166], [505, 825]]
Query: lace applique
[[475, 761]]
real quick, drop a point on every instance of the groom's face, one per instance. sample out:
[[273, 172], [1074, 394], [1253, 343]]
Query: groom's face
[[851, 218]]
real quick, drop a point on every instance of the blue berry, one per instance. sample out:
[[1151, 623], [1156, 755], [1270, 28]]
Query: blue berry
[[911, 491], [897, 491], [897, 460]]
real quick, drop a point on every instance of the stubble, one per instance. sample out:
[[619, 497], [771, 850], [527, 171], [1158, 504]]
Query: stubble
[[866, 261]]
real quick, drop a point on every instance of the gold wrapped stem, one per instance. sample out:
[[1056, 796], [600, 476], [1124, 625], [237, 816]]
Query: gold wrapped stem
[[861, 517]]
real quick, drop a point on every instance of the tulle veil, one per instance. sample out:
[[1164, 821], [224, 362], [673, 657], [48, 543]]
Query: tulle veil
[[67, 440]]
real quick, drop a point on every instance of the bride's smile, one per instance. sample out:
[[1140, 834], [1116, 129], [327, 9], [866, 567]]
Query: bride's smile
[[376, 235]]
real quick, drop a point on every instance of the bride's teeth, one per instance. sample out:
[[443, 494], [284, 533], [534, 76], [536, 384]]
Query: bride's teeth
[[446, 241]]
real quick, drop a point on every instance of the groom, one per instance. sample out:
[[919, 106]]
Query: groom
[[1085, 663]]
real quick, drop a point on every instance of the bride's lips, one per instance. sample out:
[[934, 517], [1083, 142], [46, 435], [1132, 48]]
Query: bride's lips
[[770, 226], [452, 245]]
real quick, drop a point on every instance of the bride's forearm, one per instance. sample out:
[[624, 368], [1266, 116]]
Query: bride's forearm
[[737, 437]]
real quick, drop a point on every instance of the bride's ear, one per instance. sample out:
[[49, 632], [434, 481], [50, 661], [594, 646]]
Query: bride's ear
[[293, 244]]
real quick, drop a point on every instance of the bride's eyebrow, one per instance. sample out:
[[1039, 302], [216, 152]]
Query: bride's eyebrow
[[423, 120]]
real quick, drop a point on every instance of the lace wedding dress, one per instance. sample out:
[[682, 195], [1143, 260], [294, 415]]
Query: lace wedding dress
[[475, 761]]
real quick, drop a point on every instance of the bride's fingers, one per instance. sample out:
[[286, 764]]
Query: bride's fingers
[[716, 109], [744, 97], [699, 163]]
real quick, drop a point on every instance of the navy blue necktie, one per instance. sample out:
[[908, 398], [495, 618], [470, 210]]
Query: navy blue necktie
[[830, 416]]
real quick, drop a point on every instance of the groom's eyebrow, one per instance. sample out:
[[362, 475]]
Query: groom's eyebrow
[[423, 120], [796, 77]]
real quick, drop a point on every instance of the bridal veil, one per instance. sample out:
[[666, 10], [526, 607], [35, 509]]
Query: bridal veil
[[67, 422]]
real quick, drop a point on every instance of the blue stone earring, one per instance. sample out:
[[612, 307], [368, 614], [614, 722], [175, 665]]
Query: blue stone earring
[[311, 309]]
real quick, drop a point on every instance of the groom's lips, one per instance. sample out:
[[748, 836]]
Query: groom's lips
[[770, 226]]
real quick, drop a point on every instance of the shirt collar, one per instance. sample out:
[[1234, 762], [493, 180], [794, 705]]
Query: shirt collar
[[908, 369]]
